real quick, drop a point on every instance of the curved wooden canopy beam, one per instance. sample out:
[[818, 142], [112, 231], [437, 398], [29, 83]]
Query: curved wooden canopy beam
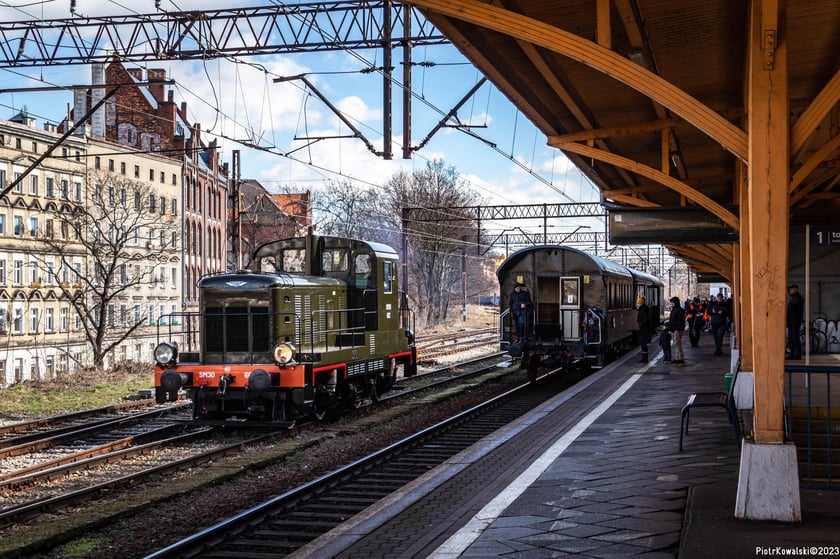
[[819, 156], [710, 258], [518, 26], [634, 166], [809, 120]]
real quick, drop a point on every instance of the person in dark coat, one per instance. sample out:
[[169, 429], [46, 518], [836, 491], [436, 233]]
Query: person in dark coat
[[695, 317], [643, 319], [676, 324], [718, 309], [518, 304], [793, 321]]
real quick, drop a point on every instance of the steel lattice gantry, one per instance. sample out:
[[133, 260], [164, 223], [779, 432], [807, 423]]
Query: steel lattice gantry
[[310, 27]]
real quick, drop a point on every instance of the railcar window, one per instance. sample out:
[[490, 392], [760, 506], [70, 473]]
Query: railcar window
[[260, 328], [294, 260]]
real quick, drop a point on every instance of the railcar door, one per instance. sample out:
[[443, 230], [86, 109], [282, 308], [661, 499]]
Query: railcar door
[[570, 307], [558, 308]]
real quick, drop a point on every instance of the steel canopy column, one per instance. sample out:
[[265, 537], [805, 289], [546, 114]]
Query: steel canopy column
[[768, 483]]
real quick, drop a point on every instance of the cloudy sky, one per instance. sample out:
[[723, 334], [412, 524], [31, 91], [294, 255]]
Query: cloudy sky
[[303, 142]]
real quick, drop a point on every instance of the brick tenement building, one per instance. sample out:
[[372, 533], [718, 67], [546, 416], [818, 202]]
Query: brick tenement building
[[146, 117]]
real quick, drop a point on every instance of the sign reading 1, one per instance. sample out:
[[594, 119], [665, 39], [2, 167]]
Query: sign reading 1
[[825, 235]]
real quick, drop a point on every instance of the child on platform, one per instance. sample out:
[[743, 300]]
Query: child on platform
[[665, 342]]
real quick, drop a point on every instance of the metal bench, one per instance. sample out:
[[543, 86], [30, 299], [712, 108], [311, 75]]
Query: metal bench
[[725, 400]]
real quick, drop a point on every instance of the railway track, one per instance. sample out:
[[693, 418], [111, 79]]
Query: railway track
[[287, 523], [435, 346], [52, 484]]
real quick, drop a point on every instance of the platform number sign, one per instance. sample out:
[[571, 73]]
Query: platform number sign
[[825, 235]]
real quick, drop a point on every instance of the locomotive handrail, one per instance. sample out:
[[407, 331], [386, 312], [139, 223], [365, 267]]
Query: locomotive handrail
[[338, 331], [502, 316]]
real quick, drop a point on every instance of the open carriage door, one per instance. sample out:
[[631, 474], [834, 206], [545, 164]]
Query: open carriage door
[[570, 308]]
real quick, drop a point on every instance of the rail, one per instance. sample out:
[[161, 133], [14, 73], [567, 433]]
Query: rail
[[812, 422]]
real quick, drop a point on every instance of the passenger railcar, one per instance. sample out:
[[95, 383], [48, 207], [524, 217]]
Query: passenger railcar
[[582, 307], [319, 325]]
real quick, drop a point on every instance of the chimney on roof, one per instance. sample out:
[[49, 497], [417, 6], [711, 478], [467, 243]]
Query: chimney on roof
[[136, 73], [157, 88]]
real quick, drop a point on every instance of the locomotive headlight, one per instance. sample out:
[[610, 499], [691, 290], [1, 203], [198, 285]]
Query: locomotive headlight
[[166, 354], [284, 353]]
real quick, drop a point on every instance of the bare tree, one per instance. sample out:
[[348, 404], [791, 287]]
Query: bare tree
[[348, 210], [107, 249], [438, 231]]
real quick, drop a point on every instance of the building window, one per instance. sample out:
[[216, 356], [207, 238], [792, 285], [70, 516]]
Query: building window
[[50, 367], [151, 175], [3, 225], [18, 225], [152, 202], [174, 207], [49, 231], [3, 271], [138, 317], [33, 227], [50, 320], [111, 165], [34, 320], [162, 177], [97, 162], [19, 363], [17, 321], [17, 143], [65, 189], [137, 171], [2, 178], [123, 314], [63, 321], [18, 186], [34, 147], [174, 179], [33, 185], [78, 187], [50, 187], [17, 272], [122, 167], [162, 205]]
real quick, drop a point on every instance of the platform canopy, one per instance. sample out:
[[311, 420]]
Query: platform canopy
[[648, 97]]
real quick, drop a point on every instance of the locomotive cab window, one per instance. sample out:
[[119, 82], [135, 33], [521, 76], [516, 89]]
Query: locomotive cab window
[[334, 260], [294, 260], [267, 264], [363, 271], [387, 277]]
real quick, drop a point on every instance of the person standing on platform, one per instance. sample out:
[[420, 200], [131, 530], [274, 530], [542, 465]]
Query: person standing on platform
[[793, 320], [643, 319], [676, 324], [696, 321], [718, 312]]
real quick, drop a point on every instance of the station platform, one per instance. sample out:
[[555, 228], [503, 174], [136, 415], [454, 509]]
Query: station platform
[[595, 472]]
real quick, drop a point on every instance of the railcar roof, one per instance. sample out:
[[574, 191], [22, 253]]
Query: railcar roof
[[599, 263]]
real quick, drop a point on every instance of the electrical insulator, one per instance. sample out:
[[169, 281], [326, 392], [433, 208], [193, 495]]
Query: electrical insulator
[[72, 6]]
